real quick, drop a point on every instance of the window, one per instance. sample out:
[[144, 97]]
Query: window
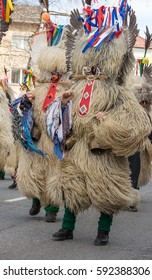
[[17, 76], [21, 42]]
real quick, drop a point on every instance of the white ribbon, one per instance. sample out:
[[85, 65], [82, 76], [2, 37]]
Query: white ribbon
[[107, 3], [54, 120]]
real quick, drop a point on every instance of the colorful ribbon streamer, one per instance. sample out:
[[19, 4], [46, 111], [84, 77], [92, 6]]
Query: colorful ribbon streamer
[[9, 8], [104, 23], [6, 7]]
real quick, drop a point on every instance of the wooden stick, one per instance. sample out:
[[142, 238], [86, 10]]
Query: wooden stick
[[81, 76]]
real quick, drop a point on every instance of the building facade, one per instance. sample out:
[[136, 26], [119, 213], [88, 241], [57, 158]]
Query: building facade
[[139, 50], [15, 46]]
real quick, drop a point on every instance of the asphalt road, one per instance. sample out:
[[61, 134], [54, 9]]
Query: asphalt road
[[23, 237]]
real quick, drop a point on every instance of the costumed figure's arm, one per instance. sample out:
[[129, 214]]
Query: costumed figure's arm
[[66, 97], [145, 164], [121, 139]]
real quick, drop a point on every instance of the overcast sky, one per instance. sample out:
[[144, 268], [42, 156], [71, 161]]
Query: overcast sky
[[143, 9]]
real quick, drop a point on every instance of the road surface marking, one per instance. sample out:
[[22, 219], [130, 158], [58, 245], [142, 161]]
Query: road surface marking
[[15, 199]]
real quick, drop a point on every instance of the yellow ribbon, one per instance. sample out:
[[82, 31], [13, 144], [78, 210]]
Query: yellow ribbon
[[9, 8]]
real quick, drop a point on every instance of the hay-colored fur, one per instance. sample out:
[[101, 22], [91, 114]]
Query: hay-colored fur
[[145, 165], [10, 164], [142, 90], [6, 138], [50, 61], [47, 59], [34, 170], [102, 180], [11, 161], [82, 177]]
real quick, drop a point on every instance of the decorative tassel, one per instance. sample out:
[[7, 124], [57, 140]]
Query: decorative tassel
[[29, 78], [104, 22]]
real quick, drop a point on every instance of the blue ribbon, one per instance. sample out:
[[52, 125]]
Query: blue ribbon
[[57, 36], [108, 36], [4, 1], [90, 43], [123, 9], [16, 101], [57, 148], [27, 124], [25, 77]]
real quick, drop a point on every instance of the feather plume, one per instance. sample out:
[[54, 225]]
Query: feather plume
[[71, 32], [83, 3], [148, 40], [128, 61], [147, 73], [133, 30]]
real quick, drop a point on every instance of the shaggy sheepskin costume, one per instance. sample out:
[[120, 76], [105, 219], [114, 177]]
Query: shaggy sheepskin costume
[[12, 158], [6, 139], [142, 88], [34, 170], [95, 170]]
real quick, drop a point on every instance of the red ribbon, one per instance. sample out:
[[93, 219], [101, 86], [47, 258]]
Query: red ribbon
[[89, 13], [50, 97], [118, 33], [84, 104], [100, 16], [2, 9]]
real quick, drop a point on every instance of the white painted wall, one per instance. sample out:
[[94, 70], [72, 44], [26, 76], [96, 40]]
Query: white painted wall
[[139, 53]]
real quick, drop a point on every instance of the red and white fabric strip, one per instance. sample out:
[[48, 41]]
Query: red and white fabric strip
[[85, 101]]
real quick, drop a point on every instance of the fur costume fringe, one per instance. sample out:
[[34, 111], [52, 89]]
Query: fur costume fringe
[[145, 165], [11, 161], [142, 90], [6, 139], [126, 126], [48, 63]]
